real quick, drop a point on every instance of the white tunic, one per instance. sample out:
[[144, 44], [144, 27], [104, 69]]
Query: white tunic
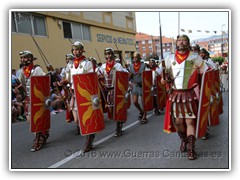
[[182, 72], [109, 79], [83, 67], [155, 73], [36, 71]]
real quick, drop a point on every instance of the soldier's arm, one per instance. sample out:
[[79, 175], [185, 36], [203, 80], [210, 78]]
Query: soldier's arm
[[88, 67], [120, 68], [65, 80], [201, 65], [39, 71], [100, 73]]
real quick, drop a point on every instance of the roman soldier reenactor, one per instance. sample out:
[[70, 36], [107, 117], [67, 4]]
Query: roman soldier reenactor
[[94, 62], [80, 65], [182, 69], [195, 48], [66, 88], [106, 75], [211, 65], [29, 69], [205, 56], [136, 70], [156, 71]]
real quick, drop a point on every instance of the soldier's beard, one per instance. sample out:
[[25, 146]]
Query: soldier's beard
[[26, 63], [78, 55], [109, 58], [182, 47]]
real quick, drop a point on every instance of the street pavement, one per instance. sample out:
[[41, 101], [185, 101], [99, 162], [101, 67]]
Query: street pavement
[[140, 146]]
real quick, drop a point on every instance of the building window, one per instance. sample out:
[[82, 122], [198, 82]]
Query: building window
[[143, 42], [149, 41], [76, 31], [107, 16], [130, 24], [67, 30], [143, 48], [28, 23]]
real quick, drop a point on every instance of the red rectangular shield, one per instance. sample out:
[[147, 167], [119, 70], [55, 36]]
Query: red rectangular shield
[[161, 93], [87, 94], [204, 104], [39, 99], [214, 111], [147, 95], [121, 96], [219, 93]]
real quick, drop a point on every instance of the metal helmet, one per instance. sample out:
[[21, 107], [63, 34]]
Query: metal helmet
[[195, 47], [78, 45], [203, 50], [109, 50], [27, 54], [183, 36], [21, 53], [152, 60], [137, 54], [93, 59]]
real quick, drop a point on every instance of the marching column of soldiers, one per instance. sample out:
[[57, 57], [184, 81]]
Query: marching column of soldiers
[[177, 84]]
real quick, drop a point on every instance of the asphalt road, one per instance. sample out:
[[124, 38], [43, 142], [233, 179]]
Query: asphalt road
[[141, 146]]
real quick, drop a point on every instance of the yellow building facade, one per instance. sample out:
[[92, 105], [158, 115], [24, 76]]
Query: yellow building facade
[[49, 34]]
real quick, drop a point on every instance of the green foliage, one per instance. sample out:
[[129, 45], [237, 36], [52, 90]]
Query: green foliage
[[218, 59]]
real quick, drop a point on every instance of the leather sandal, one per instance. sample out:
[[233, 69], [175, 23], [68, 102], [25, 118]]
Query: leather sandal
[[144, 121], [140, 116]]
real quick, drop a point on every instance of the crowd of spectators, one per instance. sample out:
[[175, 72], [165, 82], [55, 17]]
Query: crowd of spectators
[[19, 95]]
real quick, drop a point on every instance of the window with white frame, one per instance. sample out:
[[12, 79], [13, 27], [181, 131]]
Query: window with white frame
[[28, 23], [76, 31]]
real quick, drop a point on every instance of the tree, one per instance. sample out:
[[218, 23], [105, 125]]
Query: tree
[[218, 59]]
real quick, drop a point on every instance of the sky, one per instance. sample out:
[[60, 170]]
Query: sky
[[171, 20]]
